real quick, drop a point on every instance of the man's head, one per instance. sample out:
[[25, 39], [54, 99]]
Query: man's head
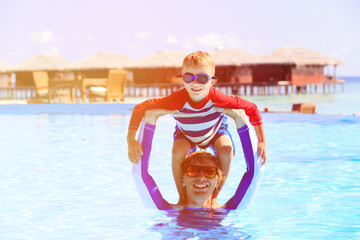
[[196, 67], [201, 176]]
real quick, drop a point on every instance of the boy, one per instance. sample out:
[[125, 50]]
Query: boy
[[198, 123]]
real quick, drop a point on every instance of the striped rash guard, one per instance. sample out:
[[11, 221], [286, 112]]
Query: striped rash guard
[[200, 122], [243, 195]]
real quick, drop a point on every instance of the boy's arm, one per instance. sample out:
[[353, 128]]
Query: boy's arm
[[170, 102], [251, 110], [134, 147], [234, 102], [250, 182], [174, 101], [259, 129]]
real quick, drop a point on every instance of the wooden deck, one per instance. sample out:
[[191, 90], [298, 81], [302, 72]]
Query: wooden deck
[[161, 90], [254, 89], [17, 93]]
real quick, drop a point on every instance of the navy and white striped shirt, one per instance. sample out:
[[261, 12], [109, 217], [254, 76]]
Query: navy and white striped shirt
[[199, 125]]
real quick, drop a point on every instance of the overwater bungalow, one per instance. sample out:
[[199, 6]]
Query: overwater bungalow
[[160, 67], [293, 69], [282, 71], [51, 63], [293, 66], [98, 65], [233, 65], [5, 75], [156, 75]]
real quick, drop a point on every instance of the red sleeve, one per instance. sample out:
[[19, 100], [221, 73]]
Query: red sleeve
[[228, 101], [174, 101]]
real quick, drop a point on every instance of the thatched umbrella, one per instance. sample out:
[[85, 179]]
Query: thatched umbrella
[[297, 56], [103, 61], [4, 67], [161, 59], [233, 57], [43, 62]]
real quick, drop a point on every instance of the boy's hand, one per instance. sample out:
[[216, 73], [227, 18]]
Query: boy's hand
[[262, 151], [238, 115], [152, 115], [134, 147]]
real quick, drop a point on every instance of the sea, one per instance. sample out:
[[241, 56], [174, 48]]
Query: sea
[[344, 101]]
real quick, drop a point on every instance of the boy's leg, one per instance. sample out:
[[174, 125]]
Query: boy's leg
[[181, 148], [223, 146]]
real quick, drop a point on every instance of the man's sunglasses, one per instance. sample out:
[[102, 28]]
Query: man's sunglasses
[[200, 78], [194, 171]]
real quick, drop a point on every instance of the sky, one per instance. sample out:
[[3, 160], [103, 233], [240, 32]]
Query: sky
[[77, 29]]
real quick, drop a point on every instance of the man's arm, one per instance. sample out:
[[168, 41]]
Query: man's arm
[[250, 181], [147, 188], [247, 188]]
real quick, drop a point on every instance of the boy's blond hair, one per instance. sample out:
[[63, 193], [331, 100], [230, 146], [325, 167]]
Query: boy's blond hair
[[199, 59]]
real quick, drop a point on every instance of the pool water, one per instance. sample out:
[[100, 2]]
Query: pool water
[[67, 176]]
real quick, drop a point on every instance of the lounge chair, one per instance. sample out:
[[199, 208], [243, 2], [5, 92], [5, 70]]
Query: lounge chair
[[114, 90], [41, 80]]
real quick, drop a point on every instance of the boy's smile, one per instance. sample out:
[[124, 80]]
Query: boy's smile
[[196, 90]]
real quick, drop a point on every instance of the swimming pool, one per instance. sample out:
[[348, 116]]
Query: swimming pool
[[65, 175]]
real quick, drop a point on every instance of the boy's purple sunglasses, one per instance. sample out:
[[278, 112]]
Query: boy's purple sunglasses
[[200, 78]]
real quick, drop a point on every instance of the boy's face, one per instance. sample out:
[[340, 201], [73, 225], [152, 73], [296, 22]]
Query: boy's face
[[197, 91]]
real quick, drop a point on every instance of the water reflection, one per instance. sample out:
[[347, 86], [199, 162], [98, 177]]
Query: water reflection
[[198, 224]]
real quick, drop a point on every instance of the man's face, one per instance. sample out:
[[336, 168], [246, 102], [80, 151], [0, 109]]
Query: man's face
[[200, 187]]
